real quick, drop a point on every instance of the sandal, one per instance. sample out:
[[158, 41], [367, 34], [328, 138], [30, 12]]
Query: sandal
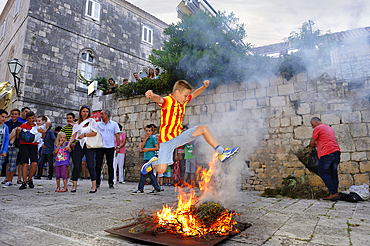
[[58, 189], [64, 189], [73, 190]]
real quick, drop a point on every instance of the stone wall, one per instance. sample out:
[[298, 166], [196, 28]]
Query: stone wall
[[49, 37], [269, 119]]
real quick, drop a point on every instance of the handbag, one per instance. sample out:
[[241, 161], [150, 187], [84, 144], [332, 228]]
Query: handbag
[[94, 142]]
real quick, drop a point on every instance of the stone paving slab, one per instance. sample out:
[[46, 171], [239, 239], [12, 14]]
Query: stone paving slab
[[40, 216]]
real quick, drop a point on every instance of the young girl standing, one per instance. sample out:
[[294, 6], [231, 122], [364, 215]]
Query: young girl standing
[[61, 160]]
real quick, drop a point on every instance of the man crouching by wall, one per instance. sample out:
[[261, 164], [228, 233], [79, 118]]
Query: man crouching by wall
[[328, 152]]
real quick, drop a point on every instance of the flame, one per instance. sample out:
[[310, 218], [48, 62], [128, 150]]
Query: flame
[[182, 221]]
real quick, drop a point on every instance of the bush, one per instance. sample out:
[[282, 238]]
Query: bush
[[158, 86]]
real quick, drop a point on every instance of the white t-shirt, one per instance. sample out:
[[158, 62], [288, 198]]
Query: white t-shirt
[[37, 134]]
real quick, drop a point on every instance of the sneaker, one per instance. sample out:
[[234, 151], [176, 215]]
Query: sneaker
[[122, 182], [154, 191], [23, 186], [138, 192], [161, 188], [8, 184], [30, 183], [4, 182], [228, 153], [111, 186], [147, 167]]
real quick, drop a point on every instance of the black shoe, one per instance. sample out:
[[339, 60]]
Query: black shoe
[[30, 183], [97, 186], [49, 178], [37, 177], [155, 191], [111, 186], [138, 192], [23, 186], [94, 191], [19, 181]]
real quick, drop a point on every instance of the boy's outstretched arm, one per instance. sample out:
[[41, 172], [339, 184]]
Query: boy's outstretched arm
[[200, 89], [48, 122], [156, 98]]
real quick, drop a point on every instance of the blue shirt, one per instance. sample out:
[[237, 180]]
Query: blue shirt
[[5, 143], [108, 132], [49, 143], [150, 143], [11, 125], [22, 120]]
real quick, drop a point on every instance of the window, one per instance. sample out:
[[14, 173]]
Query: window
[[86, 67], [147, 35], [3, 30], [93, 9], [16, 7]]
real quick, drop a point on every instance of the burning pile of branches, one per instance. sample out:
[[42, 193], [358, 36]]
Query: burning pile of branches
[[205, 220]]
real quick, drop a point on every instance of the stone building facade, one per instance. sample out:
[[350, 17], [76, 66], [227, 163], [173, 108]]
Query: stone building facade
[[56, 40], [269, 119]]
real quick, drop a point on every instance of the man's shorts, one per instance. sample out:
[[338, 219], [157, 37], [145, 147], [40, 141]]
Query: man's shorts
[[27, 152], [190, 166], [165, 154]]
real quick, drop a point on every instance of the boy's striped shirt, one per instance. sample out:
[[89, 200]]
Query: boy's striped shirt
[[67, 129], [172, 114]]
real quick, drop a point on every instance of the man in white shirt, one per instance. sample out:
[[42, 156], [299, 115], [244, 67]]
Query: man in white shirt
[[108, 130]]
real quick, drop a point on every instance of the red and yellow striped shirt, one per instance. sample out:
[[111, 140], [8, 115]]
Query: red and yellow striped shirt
[[172, 114]]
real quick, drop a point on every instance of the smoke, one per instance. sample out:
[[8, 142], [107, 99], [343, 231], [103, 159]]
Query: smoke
[[235, 127]]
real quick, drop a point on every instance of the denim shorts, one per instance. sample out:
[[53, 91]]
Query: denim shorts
[[165, 154]]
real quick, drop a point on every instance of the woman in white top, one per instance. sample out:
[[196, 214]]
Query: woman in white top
[[86, 127]]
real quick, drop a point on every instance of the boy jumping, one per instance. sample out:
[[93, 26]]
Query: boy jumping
[[170, 135]]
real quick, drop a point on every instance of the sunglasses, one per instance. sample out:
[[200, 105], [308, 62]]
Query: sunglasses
[[84, 106]]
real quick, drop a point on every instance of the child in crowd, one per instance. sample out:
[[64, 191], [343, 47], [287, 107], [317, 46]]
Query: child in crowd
[[61, 160], [190, 166], [119, 157], [170, 135], [46, 154], [149, 145], [28, 152], [168, 176], [33, 135], [4, 137]]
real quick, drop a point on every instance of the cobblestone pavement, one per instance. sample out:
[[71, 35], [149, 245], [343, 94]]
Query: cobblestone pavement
[[41, 216]]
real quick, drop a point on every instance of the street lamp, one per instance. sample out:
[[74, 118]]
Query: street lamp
[[15, 67]]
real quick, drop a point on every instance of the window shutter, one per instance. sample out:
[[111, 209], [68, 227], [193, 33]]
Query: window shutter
[[16, 7], [96, 10], [3, 29]]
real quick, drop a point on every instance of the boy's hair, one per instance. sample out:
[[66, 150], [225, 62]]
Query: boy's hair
[[58, 128], [185, 127], [153, 126], [149, 126], [42, 117], [157, 69], [71, 114], [15, 109], [125, 80], [58, 136], [30, 113], [2, 111], [23, 109], [181, 85]]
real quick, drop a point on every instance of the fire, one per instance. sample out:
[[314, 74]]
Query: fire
[[184, 221]]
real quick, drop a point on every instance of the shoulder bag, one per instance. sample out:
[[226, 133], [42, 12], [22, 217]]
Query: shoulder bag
[[94, 142]]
